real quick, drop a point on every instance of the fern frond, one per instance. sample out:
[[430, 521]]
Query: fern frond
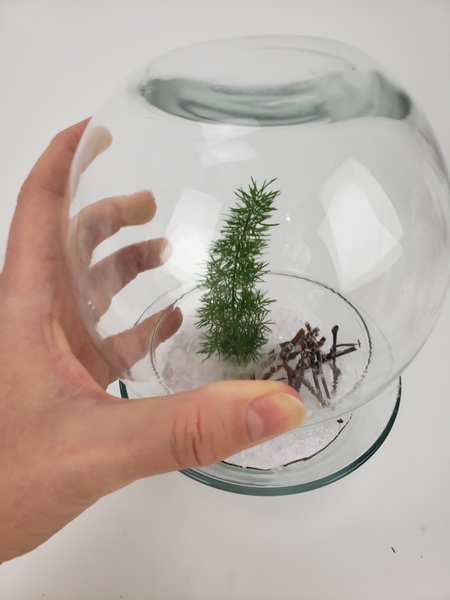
[[234, 312]]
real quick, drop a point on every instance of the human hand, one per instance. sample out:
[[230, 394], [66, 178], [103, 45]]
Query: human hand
[[98, 283], [64, 441]]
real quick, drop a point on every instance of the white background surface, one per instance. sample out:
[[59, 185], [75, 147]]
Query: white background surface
[[169, 537]]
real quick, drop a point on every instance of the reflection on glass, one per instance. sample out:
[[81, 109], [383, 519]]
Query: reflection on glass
[[190, 231], [361, 229]]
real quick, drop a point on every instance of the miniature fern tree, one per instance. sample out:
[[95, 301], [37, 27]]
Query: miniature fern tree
[[234, 311]]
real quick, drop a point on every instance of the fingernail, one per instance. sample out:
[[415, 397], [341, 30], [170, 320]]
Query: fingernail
[[268, 416]]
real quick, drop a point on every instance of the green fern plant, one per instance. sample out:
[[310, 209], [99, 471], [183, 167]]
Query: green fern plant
[[234, 311]]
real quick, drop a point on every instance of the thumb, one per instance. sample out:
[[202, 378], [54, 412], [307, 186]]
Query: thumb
[[194, 428]]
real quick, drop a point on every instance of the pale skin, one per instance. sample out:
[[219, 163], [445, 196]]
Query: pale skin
[[64, 441]]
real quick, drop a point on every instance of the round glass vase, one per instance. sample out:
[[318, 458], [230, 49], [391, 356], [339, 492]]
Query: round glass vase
[[357, 261]]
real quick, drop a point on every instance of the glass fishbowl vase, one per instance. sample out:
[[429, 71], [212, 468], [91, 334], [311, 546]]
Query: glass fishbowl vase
[[356, 262]]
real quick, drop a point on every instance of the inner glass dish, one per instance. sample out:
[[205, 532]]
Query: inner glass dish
[[298, 303]]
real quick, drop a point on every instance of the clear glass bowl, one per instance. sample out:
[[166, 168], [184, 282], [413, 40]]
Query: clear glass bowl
[[361, 242]]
